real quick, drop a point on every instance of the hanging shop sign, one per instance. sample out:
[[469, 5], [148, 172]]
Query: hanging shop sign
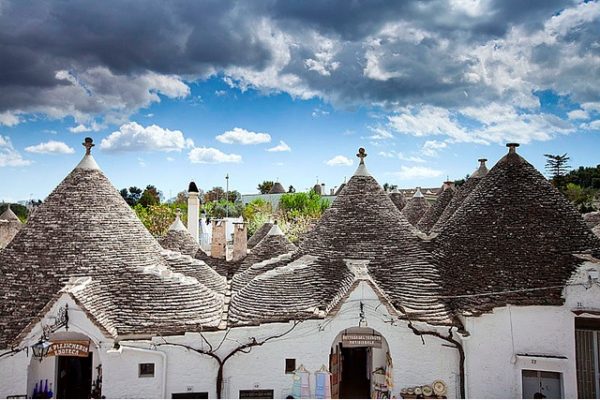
[[361, 340], [73, 348]]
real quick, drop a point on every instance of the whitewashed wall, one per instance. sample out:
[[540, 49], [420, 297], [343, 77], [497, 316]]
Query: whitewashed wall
[[309, 343], [20, 373], [264, 367], [493, 368], [13, 375]]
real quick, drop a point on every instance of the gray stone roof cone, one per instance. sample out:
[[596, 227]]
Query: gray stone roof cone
[[434, 212], [260, 234], [398, 199], [515, 232], [85, 228], [460, 195], [415, 207], [179, 239], [277, 188], [361, 226], [9, 215], [273, 244]]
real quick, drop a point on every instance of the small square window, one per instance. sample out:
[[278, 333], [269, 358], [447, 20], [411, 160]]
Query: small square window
[[146, 370], [290, 365]]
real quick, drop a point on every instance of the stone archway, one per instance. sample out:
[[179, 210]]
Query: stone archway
[[71, 369], [360, 364]]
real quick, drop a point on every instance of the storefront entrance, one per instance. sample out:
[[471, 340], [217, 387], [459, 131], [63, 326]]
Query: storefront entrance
[[73, 377], [360, 365], [355, 383]]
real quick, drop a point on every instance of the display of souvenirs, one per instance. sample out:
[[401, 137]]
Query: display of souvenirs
[[301, 384], [42, 391], [437, 390], [379, 387], [323, 383]]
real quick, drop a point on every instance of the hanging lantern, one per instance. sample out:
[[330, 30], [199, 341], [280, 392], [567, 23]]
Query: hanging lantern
[[40, 349]]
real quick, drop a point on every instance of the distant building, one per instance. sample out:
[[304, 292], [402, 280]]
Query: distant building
[[10, 225]]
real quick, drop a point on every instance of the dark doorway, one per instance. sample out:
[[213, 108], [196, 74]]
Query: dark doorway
[[74, 377], [354, 384]]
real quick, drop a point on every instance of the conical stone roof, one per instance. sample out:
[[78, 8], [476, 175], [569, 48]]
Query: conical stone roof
[[361, 226], [85, 228], [259, 234], [9, 215], [415, 208], [515, 233], [434, 212], [596, 230], [398, 199], [460, 195], [277, 188], [272, 245], [179, 239]]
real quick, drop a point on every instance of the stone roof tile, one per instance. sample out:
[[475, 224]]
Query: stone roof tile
[[515, 233], [434, 212], [415, 207], [85, 228], [460, 195], [363, 226]]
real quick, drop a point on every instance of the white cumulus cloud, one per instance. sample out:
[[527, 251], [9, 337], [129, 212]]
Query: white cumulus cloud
[[9, 119], [282, 146], [50, 147], [339, 161], [417, 172], [242, 136], [135, 137], [9, 157], [210, 155], [431, 147]]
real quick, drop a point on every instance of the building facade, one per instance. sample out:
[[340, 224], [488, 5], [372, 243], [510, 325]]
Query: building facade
[[501, 300]]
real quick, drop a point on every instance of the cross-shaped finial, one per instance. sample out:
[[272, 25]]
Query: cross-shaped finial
[[88, 143], [361, 154]]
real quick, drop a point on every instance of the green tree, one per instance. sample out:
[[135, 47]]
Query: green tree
[[308, 204], [265, 187], [291, 189], [583, 198], [387, 186], [256, 213], [157, 218], [556, 167], [586, 177], [150, 197], [215, 194], [131, 195]]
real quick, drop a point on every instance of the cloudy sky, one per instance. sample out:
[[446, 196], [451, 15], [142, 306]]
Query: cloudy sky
[[172, 91]]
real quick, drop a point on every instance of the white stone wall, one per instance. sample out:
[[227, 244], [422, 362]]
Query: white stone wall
[[263, 367], [20, 373], [13, 375], [493, 367]]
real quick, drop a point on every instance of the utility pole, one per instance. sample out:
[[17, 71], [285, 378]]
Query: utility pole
[[227, 195]]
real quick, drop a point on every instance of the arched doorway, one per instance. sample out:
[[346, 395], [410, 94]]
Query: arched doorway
[[70, 370], [360, 365]]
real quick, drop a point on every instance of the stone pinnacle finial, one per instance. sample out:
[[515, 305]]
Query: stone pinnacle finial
[[361, 154], [88, 143], [178, 213], [512, 147]]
